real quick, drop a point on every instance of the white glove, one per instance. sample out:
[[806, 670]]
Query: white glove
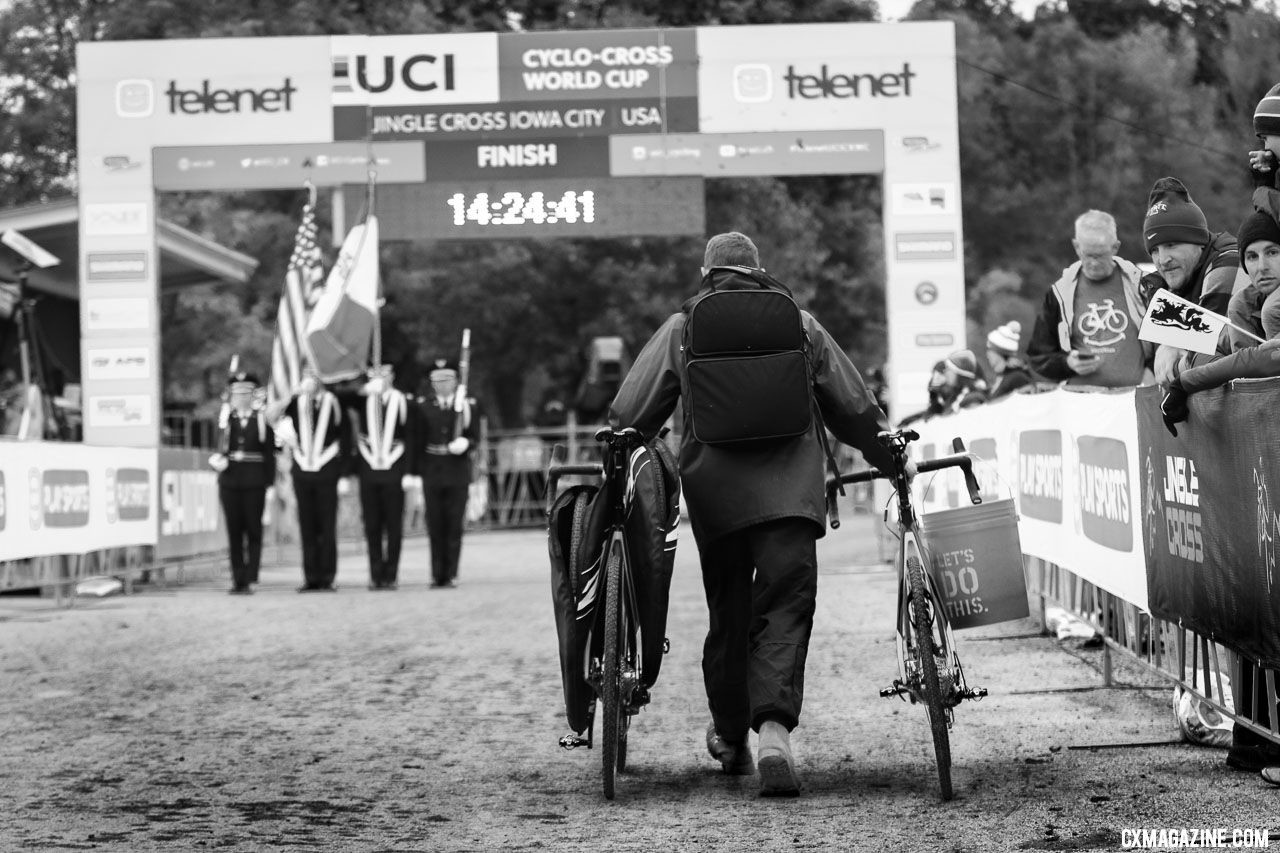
[[459, 446], [411, 483], [218, 462], [344, 486]]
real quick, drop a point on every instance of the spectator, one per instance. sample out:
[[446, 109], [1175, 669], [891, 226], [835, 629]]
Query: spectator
[[1266, 200], [954, 384], [1256, 307], [1087, 329], [1011, 372], [1190, 261]]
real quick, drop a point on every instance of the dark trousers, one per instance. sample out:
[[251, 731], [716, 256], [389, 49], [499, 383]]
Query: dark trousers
[[242, 509], [382, 506], [761, 584], [317, 528], [446, 508]]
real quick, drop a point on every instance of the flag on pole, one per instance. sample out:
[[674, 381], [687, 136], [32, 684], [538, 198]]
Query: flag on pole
[[1179, 322], [288, 353], [340, 329]]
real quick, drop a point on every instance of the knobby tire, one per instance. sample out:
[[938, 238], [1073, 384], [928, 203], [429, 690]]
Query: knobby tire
[[929, 674], [576, 544], [611, 681]]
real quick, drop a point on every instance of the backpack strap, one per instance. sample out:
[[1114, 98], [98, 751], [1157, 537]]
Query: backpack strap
[[756, 274], [832, 467]]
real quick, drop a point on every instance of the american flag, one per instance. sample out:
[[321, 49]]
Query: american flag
[[305, 273]]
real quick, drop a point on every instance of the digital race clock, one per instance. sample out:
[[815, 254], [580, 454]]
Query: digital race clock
[[550, 207]]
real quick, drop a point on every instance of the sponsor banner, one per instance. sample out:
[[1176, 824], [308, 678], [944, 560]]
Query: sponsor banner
[[1071, 462], [593, 64], [117, 219], [831, 152], [115, 266], [824, 76], [935, 199], [404, 70], [108, 363], [99, 497], [580, 157], [113, 313], [190, 515], [554, 207], [285, 166], [206, 91], [525, 120], [119, 410], [925, 246], [1210, 515]]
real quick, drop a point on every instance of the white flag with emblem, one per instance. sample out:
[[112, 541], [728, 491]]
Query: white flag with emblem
[[1179, 322], [340, 330]]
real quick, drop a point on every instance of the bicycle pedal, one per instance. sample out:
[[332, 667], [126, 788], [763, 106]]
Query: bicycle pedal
[[573, 742], [974, 693], [896, 690]]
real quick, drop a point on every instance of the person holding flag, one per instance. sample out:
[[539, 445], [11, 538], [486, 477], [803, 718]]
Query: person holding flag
[[450, 428], [319, 456], [385, 423]]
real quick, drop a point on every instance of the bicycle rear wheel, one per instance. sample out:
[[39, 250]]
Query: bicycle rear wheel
[[929, 683], [611, 681]]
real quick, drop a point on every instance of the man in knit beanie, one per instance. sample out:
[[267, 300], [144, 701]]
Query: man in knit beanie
[[1257, 306], [1266, 125], [1010, 372], [1190, 260]]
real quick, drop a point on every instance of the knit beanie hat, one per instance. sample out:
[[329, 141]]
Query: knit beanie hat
[[964, 363], [1007, 338], [1266, 116], [1172, 217], [1256, 226]]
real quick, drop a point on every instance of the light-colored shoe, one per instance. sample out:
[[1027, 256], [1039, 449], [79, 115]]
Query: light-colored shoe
[[735, 758], [777, 767]]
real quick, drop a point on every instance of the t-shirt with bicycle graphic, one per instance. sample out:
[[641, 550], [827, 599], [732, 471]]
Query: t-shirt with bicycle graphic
[[1102, 326]]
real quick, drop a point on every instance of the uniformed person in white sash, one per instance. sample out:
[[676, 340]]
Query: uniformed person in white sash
[[383, 419], [318, 462]]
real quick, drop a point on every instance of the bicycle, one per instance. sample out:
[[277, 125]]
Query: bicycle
[[929, 670], [614, 660]]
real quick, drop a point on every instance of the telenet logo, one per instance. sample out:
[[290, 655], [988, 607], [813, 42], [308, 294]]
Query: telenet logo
[[135, 98]]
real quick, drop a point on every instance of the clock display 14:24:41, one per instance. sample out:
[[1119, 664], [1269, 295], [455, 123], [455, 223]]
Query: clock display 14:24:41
[[516, 208]]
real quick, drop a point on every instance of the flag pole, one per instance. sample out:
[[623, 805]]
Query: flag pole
[[372, 163]]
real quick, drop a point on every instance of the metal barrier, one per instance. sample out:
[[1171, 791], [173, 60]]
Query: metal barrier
[[1170, 650]]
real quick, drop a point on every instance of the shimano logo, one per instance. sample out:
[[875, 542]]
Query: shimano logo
[[826, 84], [208, 99]]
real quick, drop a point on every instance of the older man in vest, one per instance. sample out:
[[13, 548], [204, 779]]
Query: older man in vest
[[315, 416], [383, 419]]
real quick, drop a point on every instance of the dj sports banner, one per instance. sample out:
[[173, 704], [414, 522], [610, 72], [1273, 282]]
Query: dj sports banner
[[1211, 515]]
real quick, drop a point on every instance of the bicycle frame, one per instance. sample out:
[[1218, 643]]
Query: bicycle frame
[[929, 671]]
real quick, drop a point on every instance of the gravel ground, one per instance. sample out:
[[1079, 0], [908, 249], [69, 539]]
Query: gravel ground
[[427, 720]]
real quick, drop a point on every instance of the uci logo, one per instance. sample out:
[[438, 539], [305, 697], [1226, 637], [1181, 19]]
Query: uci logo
[[423, 72]]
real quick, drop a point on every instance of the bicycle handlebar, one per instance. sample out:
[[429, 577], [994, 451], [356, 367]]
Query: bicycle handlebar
[[962, 460], [555, 471]]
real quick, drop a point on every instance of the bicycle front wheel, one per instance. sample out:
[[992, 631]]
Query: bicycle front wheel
[[930, 686], [611, 682]]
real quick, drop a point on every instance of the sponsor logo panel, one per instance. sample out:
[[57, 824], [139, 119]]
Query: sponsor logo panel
[[120, 410], [118, 363], [589, 64], [128, 494], [4, 503], [188, 502], [1040, 474], [725, 154], [116, 219], [455, 68], [111, 313], [925, 246], [116, 266], [60, 498], [285, 166], [1102, 477], [525, 120], [923, 199]]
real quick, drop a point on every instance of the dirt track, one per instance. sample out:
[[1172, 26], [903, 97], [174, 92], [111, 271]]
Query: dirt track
[[427, 720]]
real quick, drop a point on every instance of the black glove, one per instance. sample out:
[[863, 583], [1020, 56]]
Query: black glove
[[1174, 408], [1149, 284], [1265, 178]]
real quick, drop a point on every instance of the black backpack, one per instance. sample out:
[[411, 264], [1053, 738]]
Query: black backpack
[[746, 359]]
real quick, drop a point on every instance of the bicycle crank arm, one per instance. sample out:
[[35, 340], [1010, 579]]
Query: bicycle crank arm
[[573, 742], [974, 693], [898, 689]]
